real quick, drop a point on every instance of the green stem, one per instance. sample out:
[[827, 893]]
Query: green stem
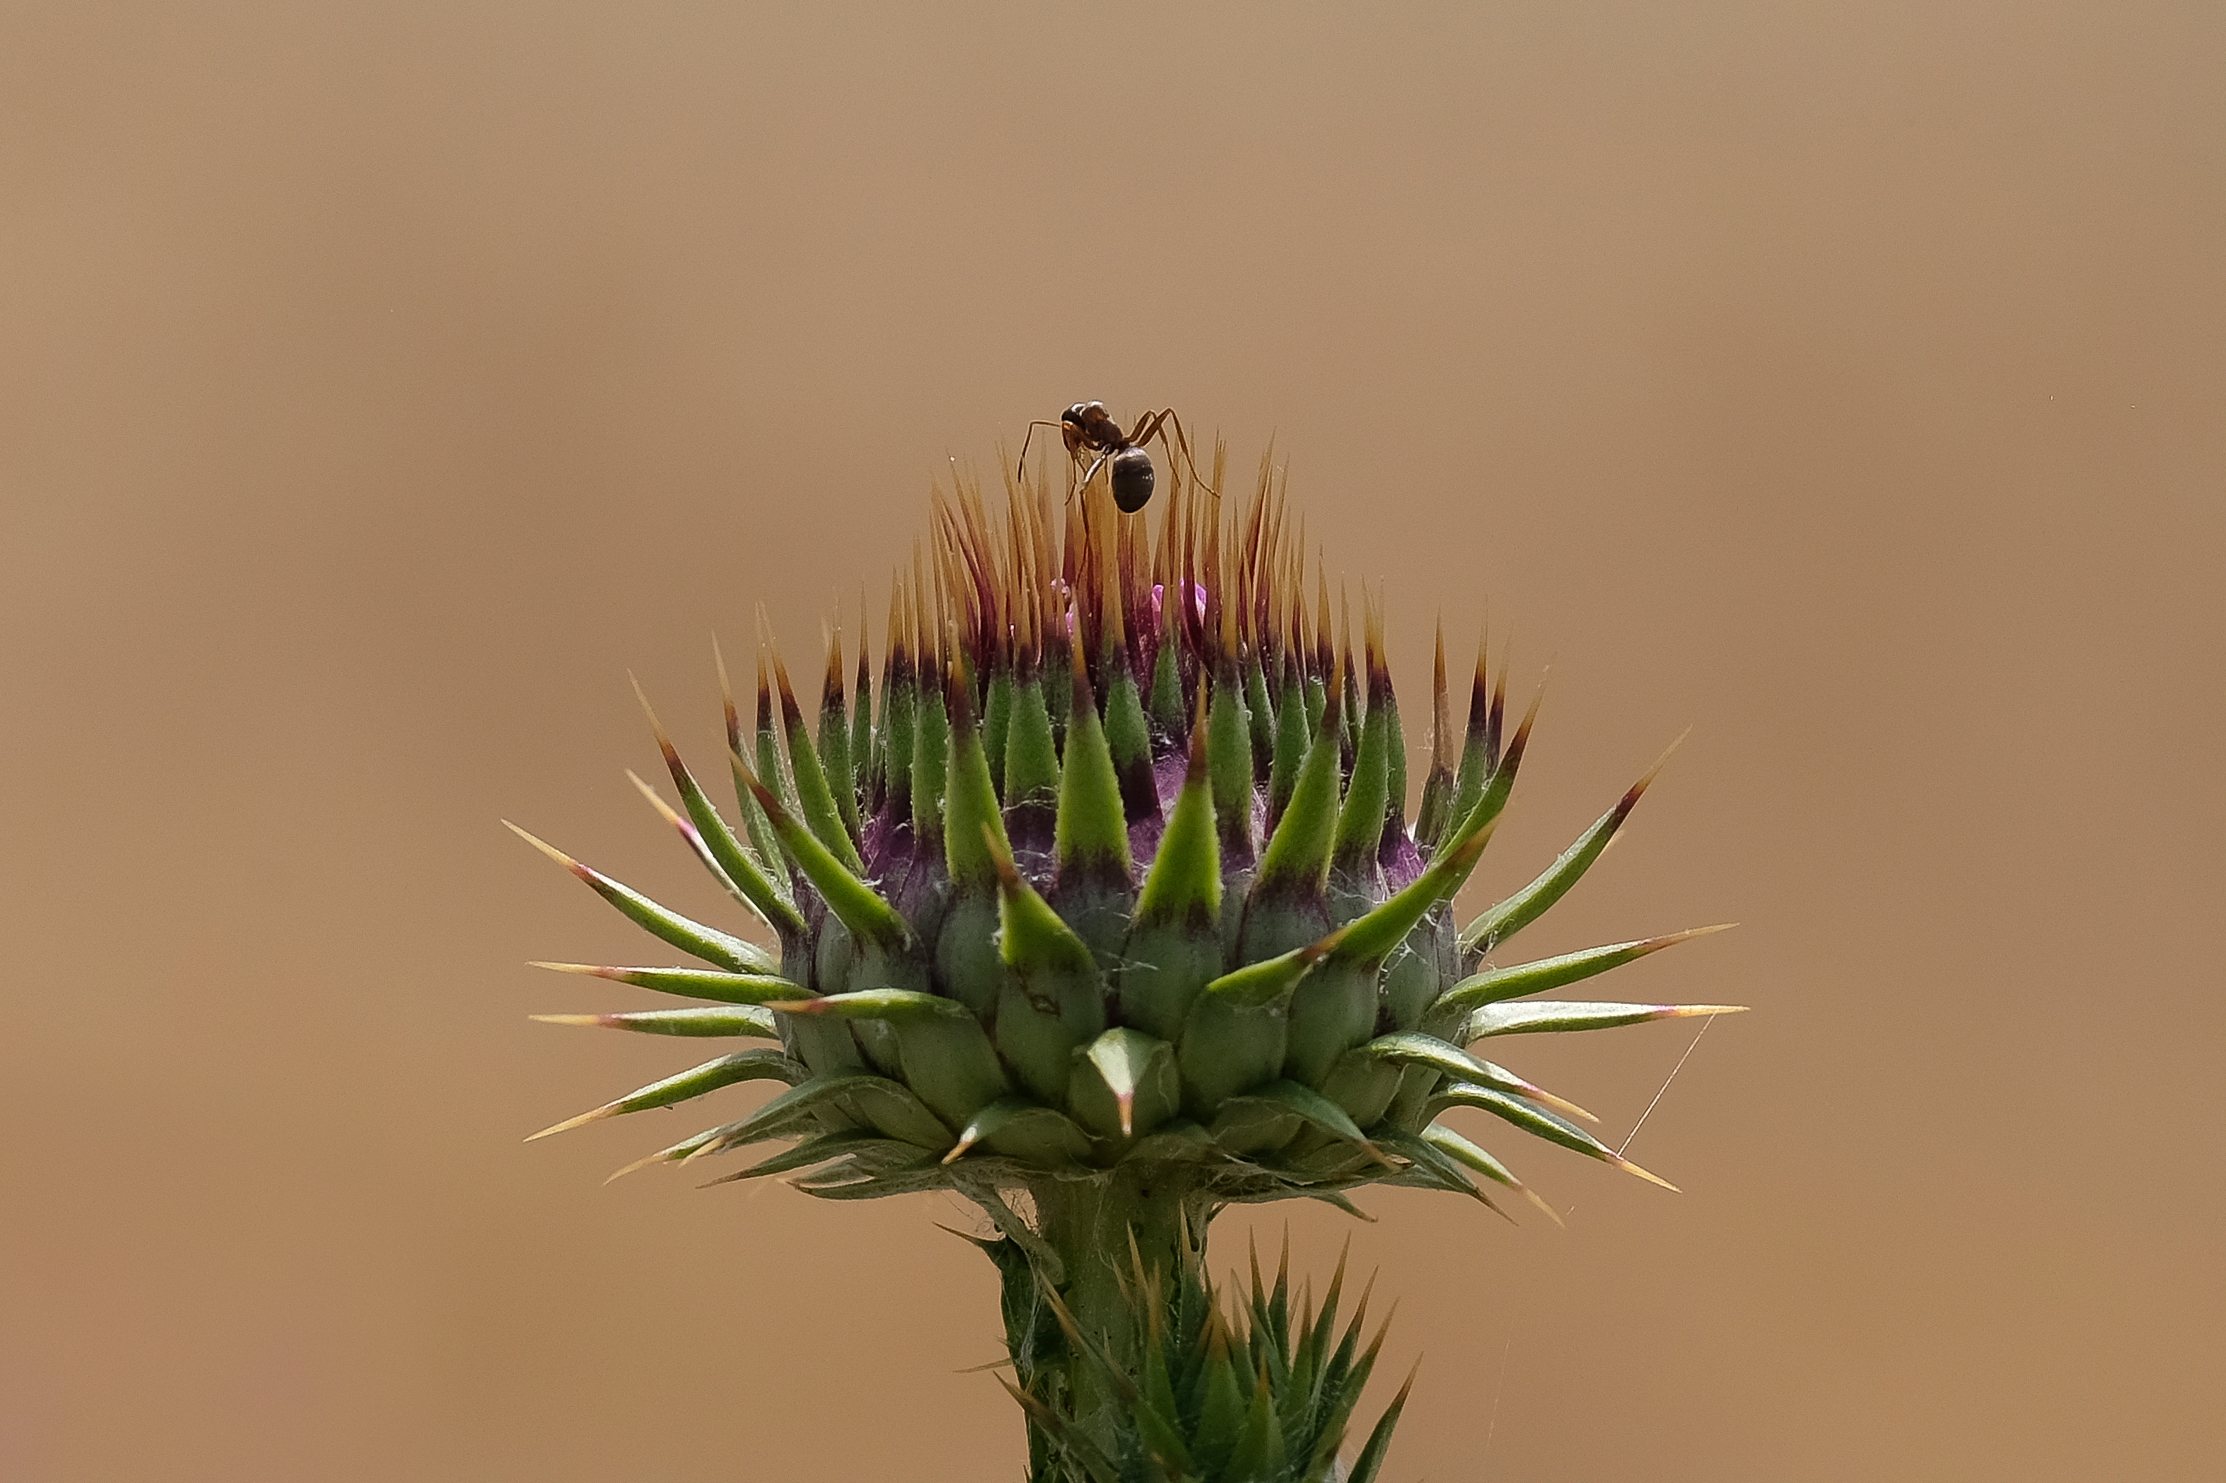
[[1100, 1228]]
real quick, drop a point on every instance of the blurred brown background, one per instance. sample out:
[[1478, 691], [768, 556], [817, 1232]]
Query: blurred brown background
[[379, 384]]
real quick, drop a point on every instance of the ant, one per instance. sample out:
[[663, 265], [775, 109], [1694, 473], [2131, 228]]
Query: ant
[[1088, 427]]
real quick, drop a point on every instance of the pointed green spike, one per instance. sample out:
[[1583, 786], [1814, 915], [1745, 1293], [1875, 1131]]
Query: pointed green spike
[[743, 871], [1395, 803], [1290, 745], [1279, 1302], [1372, 937], [931, 747], [1408, 1048], [769, 763], [1221, 1412], [1555, 1016], [678, 1153], [853, 1179], [1180, 1141], [1317, 1340], [815, 1150], [1354, 1374], [1039, 1044], [1124, 1084], [861, 721], [1372, 1453], [1056, 691], [814, 798], [874, 1170], [904, 1006], [1431, 1165], [1162, 1436], [897, 1110], [1360, 822], [1260, 1441], [857, 905], [1296, 860], [899, 697], [1327, 1006], [1492, 796], [1452, 1144], [1438, 782], [1333, 1010], [1129, 737], [1032, 939], [1229, 761], [1308, 1106], [1538, 1121], [1419, 968], [750, 1020], [805, 1105], [943, 1051], [1260, 714], [763, 845], [1352, 715], [1052, 1000], [966, 956], [768, 733], [691, 937], [997, 723], [1461, 1150], [690, 836], [1503, 921], [1092, 829], [1479, 747], [748, 1065], [1019, 1128], [1174, 946], [1362, 1085], [1157, 1379], [1167, 712], [1522, 979], [840, 962], [1183, 886], [695, 983], [1031, 779], [834, 741], [809, 1108], [1085, 1460], [1271, 982], [1496, 714], [970, 798], [1383, 700]]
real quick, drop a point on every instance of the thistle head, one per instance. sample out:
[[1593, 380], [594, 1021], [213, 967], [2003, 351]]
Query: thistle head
[[1113, 872]]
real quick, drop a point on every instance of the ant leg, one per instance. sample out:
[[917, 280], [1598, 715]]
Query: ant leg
[[1076, 486], [1183, 437], [1020, 466], [1153, 425], [1148, 424]]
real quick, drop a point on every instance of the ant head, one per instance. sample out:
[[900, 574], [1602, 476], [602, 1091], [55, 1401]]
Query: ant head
[[1084, 414]]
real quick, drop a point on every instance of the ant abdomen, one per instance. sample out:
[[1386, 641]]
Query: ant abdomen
[[1132, 479]]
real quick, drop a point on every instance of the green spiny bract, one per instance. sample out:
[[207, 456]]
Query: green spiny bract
[[1258, 1395], [1106, 915]]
